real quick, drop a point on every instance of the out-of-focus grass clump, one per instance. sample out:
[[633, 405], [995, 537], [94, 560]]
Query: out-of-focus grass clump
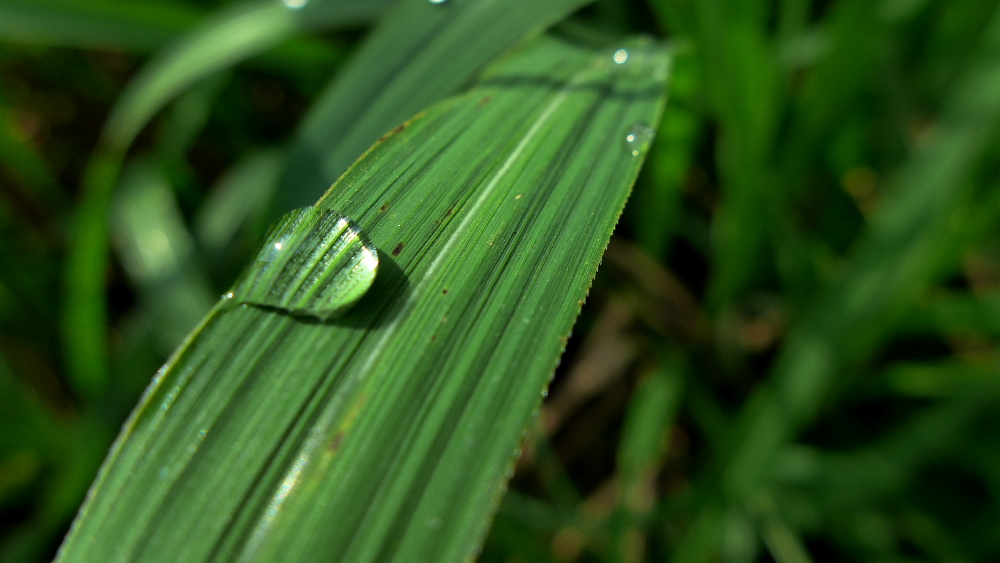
[[790, 351]]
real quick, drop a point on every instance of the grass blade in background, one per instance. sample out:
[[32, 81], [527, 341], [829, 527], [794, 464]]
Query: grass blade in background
[[234, 34], [742, 83], [102, 24], [157, 252], [386, 435], [899, 256], [240, 197], [421, 52], [231, 36]]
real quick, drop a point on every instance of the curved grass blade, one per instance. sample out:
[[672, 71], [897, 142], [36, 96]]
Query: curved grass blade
[[420, 53], [233, 35], [389, 433], [117, 24], [238, 198], [157, 252]]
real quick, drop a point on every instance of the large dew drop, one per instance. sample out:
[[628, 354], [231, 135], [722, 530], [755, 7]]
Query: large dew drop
[[313, 262]]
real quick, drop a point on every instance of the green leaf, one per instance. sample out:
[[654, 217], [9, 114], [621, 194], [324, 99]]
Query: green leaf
[[388, 433]]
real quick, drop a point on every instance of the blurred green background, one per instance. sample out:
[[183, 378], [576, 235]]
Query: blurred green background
[[791, 349]]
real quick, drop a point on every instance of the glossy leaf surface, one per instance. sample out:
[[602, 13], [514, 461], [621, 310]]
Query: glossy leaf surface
[[387, 434]]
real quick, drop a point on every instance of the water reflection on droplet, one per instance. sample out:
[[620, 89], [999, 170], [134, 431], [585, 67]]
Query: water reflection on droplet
[[295, 4], [313, 262], [438, 1], [621, 55], [638, 138]]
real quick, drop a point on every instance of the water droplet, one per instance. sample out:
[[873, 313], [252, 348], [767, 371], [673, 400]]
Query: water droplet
[[295, 4], [545, 393], [438, 1], [227, 295], [621, 55], [313, 262], [638, 138]]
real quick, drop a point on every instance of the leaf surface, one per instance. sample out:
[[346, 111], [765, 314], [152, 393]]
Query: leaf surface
[[387, 434]]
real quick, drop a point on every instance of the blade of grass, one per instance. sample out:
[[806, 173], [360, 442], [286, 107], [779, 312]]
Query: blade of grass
[[238, 198], [420, 53], [95, 24], [157, 252], [743, 84], [230, 36], [896, 259], [397, 423], [645, 438]]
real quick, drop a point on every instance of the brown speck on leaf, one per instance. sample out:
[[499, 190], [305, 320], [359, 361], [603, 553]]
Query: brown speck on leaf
[[396, 130], [450, 210], [384, 207], [444, 291], [336, 442], [397, 250], [433, 337], [485, 101]]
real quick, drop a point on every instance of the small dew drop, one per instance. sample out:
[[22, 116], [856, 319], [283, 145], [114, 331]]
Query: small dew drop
[[314, 262], [638, 138], [295, 4], [438, 1], [227, 295], [621, 55], [545, 393]]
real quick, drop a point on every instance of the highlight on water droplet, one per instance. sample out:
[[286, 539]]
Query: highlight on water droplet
[[438, 1], [313, 262], [620, 56], [638, 138], [295, 4]]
